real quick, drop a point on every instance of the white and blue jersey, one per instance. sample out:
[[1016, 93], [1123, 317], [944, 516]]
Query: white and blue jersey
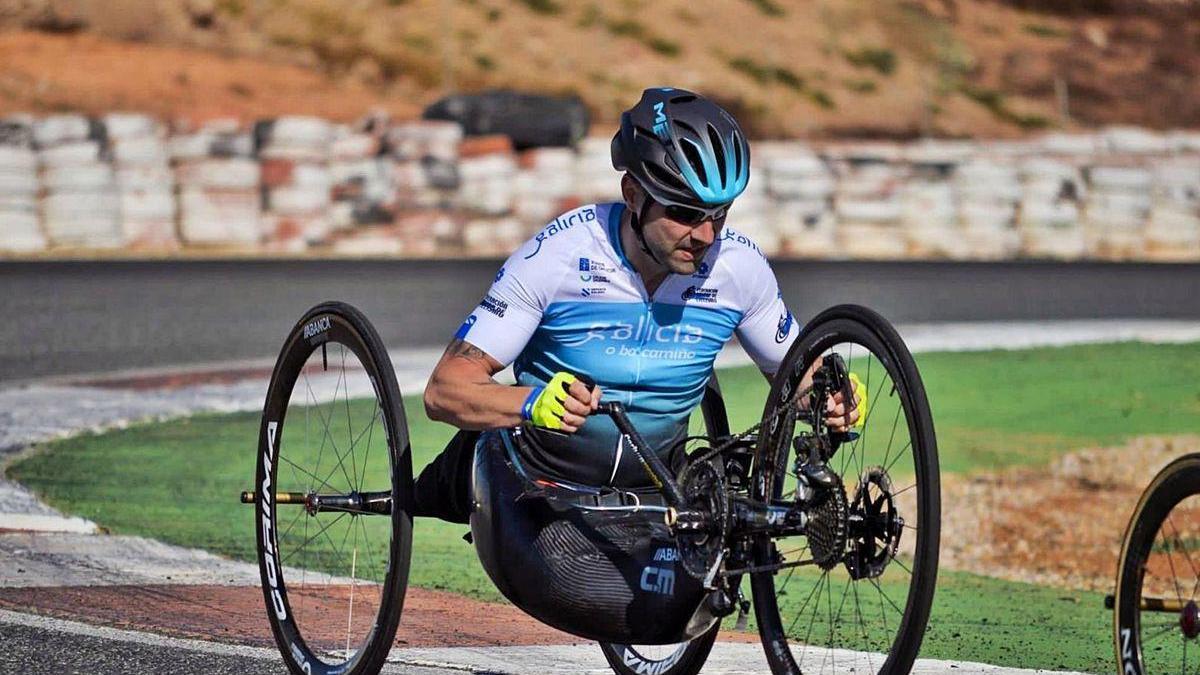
[[569, 300]]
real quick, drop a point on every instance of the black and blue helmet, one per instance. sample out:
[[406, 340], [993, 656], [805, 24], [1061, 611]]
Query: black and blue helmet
[[683, 149]]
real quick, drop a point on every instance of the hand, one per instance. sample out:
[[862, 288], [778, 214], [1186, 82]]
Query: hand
[[840, 417], [564, 404], [837, 417]]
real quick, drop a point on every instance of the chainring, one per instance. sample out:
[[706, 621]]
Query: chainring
[[875, 526], [826, 528], [703, 487]]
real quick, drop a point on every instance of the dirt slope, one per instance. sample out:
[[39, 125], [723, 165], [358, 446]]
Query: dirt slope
[[831, 68]]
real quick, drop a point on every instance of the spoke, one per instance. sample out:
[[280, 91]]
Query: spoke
[[892, 438], [901, 564], [888, 469], [1187, 556], [1157, 634], [325, 422], [1174, 575], [808, 636], [310, 539], [306, 471], [375, 414], [284, 534], [353, 579], [897, 494], [349, 424], [829, 617], [886, 597], [863, 626], [800, 611]]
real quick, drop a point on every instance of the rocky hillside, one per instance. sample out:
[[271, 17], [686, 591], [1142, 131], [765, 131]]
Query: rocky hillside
[[828, 68]]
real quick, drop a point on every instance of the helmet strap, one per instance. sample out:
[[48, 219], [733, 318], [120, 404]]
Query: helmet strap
[[636, 221]]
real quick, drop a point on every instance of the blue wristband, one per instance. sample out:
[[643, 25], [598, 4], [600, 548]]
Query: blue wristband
[[527, 406]]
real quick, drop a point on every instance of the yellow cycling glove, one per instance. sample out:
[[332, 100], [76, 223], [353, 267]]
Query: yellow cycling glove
[[861, 393], [545, 405]]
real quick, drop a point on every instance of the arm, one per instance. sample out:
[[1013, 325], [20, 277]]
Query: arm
[[461, 392]]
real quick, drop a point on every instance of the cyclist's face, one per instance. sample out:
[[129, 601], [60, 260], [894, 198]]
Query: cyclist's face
[[679, 237]]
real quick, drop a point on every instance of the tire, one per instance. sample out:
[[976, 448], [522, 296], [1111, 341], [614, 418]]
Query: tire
[[1152, 640], [333, 607], [872, 565], [684, 658]]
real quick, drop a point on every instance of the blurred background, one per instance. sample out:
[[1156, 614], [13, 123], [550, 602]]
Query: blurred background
[[915, 129]]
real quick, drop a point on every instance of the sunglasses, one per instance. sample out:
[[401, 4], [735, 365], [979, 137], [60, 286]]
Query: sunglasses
[[688, 215]]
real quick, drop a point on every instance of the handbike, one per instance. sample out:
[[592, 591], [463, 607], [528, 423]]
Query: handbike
[[1156, 621], [837, 533]]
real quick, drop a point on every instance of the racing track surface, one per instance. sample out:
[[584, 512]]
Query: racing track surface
[[72, 318]]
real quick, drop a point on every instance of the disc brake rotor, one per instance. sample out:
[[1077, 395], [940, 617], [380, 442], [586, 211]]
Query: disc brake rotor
[[875, 526]]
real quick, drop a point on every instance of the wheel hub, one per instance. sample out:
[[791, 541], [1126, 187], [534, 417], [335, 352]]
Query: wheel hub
[[1189, 620], [875, 526]]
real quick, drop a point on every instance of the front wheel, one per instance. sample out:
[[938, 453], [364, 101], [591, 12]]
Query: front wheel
[[854, 592], [1156, 620], [332, 496]]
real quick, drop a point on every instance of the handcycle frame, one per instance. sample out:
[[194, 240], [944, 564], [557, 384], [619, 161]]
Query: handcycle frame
[[745, 471]]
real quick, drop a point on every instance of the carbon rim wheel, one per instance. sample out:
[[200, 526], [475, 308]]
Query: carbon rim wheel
[[864, 604], [683, 658], [1155, 622], [332, 494]]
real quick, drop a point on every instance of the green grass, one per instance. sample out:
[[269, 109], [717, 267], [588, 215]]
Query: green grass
[[178, 481]]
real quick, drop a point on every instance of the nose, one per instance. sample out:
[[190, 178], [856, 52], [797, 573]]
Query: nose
[[705, 232]]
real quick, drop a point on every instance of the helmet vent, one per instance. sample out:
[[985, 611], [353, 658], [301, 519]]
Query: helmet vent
[[738, 159], [692, 153], [682, 99], [719, 151], [663, 177]]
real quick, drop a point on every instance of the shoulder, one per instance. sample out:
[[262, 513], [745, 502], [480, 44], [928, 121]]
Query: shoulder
[[743, 267], [565, 234]]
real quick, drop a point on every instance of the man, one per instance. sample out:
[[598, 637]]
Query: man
[[639, 295]]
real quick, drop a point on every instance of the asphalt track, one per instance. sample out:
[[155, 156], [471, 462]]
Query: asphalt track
[[71, 318]]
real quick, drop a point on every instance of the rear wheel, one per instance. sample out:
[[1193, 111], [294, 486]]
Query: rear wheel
[[854, 593], [1156, 619], [332, 495]]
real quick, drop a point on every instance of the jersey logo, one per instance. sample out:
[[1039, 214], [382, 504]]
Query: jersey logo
[[499, 275], [702, 271], [785, 327], [494, 305], [562, 224], [699, 294], [465, 328]]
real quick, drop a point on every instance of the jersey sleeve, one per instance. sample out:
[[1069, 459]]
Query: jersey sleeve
[[512, 308], [767, 328]]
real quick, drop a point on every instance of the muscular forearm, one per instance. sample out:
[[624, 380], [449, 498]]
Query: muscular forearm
[[474, 405], [461, 391]]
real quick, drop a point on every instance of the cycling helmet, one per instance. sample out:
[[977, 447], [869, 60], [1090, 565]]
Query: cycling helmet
[[683, 149]]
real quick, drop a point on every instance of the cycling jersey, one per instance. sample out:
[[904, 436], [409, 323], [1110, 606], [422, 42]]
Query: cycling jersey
[[569, 299]]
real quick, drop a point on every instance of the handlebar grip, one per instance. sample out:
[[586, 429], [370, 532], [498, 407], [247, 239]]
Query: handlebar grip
[[586, 380]]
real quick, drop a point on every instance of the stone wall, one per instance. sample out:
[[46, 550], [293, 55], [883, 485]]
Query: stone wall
[[420, 189]]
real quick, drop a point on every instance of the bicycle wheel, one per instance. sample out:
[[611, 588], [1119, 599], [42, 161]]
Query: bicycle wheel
[[1155, 622], [681, 658], [854, 593], [333, 496]]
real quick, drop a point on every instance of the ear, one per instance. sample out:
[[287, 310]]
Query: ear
[[631, 192]]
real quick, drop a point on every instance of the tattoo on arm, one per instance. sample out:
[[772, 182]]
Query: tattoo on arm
[[466, 350]]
